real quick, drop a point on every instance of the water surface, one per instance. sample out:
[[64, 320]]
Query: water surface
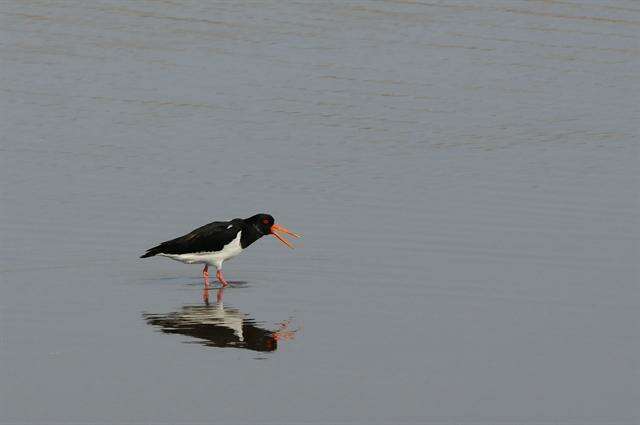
[[465, 175]]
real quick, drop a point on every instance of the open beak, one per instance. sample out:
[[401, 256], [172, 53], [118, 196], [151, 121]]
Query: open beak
[[277, 228]]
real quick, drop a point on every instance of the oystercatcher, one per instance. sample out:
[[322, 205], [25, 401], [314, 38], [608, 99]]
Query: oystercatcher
[[214, 243]]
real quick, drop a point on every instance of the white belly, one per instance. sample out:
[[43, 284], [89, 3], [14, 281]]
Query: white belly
[[216, 259]]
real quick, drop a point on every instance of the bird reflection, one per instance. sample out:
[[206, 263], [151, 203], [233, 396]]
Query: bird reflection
[[220, 326]]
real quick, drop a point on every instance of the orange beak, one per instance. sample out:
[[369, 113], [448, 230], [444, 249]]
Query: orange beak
[[277, 228]]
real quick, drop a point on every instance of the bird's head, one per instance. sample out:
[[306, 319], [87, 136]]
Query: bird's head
[[266, 225]]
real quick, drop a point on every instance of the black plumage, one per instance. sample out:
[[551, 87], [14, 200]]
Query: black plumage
[[214, 236], [217, 242]]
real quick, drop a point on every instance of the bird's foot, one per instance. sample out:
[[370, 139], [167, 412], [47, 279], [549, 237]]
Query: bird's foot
[[221, 279]]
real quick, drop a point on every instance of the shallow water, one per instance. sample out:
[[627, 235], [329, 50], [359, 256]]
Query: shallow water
[[465, 176]]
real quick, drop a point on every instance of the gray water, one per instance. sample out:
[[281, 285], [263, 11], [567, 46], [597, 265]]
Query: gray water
[[465, 175]]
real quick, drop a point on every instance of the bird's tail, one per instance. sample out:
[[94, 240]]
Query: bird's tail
[[151, 252]]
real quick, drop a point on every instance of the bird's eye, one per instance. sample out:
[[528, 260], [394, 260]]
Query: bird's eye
[[265, 221]]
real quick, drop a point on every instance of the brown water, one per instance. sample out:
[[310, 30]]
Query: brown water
[[465, 175]]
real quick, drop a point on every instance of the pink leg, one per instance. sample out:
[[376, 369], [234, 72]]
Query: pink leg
[[205, 276], [220, 277]]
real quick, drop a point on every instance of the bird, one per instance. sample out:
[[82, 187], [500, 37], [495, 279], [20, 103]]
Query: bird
[[219, 241]]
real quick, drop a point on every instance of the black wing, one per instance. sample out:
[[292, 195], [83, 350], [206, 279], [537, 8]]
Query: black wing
[[210, 237]]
